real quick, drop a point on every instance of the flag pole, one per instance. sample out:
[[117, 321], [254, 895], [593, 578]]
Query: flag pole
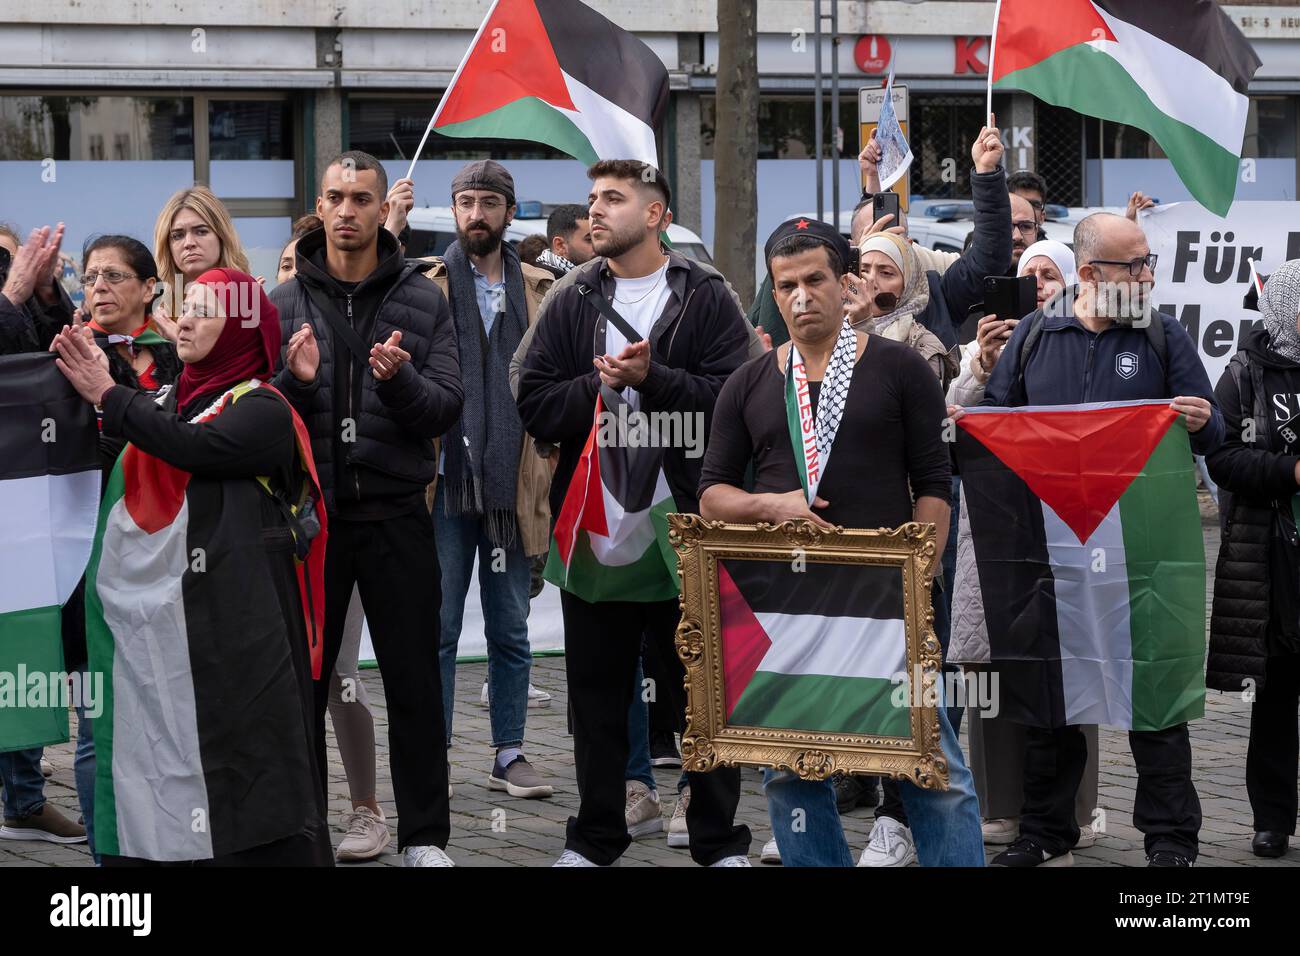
[[993, 52], [450, 86]]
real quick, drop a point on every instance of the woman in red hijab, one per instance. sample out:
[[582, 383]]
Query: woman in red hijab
[[199, 599]]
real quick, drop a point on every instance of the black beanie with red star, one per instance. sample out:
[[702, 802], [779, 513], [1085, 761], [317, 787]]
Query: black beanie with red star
[[823, 232]]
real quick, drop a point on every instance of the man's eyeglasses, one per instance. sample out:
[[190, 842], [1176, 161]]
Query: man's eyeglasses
[[112, 275], [1134, 266], [467, 203], [1027, 227]]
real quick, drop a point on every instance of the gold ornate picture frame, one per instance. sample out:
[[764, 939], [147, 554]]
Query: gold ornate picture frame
[[753, 579]]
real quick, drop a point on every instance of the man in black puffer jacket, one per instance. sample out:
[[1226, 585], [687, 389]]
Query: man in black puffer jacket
[[371, 364], [1255, 626]]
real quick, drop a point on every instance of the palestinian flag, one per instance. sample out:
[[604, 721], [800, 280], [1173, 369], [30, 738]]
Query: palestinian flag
[[818, 648], [557, 72], [1177, 69], [203, 747], [49, 494], [611, 536], [1091, 564]]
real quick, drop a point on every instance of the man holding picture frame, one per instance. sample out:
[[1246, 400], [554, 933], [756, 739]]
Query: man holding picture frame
[[782, 413]]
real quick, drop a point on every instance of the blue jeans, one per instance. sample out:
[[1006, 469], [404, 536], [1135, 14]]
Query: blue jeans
[[504, 598], [20, 771], [945, 823], [83, 769], [638, 735]]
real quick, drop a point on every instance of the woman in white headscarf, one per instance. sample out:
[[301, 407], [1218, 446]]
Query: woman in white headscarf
[[1255, 625], [897, 295], [1051, 263]]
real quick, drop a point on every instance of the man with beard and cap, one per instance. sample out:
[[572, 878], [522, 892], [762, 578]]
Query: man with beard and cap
[[877, 411], [1255, 625], [490, 497], [370, 363], [647, 331], [1106, 344]]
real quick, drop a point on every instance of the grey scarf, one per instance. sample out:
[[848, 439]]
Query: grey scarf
[[1278, 304], [482, 464]]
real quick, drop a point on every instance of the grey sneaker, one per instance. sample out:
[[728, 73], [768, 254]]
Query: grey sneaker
[[519, 779], [367, 835], [678, 834], [641, 810]]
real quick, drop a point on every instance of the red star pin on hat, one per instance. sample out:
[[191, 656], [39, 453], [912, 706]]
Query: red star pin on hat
[[801, 224]]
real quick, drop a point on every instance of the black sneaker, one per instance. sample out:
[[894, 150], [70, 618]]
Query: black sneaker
[[1025, 852], [663, 750], [855, 791], [1168, 858]]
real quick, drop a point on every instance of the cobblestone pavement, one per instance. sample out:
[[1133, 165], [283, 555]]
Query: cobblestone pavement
[[531, 832]]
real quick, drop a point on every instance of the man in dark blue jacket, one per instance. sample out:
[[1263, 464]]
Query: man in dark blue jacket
[[1087, 347]]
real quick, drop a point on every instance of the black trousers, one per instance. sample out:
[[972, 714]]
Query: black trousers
[[1274, 750], [668, 706], [601, 645], [394, 565], [1165, 807]]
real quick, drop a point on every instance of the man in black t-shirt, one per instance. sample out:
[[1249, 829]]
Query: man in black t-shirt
[[876, 405]]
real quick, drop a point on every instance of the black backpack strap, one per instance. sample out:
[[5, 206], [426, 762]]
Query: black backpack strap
[[1155, 330], [596, 298], [341, 327]]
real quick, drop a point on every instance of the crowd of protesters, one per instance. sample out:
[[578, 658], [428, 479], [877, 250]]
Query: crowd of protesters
[[440, 406]]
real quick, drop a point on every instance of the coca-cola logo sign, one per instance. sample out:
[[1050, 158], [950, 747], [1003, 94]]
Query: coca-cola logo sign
[[871, 53]]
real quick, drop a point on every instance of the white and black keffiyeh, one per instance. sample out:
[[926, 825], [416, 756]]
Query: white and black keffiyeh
[[834, 391], [1278, 305]]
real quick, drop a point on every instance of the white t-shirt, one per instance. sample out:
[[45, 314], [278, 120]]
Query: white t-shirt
[[640, 301]]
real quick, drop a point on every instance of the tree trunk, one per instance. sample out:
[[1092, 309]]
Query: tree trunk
[[735, 146]]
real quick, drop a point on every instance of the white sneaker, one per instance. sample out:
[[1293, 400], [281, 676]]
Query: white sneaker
[[425, 856], [1087, 837], [890, 845], [47, 769], [679, 836], [732, 861], [574, 858], [770, 853], [1001, 831], [536, 698], [367, 835], [641, 811]]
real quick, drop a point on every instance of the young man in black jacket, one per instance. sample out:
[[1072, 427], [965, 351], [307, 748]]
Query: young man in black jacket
[[371, 364], [687, 336]]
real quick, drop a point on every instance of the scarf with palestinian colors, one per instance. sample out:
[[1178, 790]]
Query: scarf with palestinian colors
[[146, 336], [813, 435]]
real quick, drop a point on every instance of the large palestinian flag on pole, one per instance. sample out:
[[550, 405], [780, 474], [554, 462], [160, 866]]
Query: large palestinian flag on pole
[[821, 647], [557, 72], [1177, 69], [49, 495], [1090, 560], [611, 536], [203, 747]]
